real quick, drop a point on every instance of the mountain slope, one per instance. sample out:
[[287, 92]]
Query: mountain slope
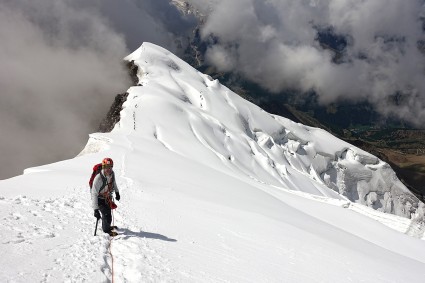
[[213, 189], [252, 142]]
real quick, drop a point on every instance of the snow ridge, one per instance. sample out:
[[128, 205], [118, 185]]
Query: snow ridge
[[265, 147]]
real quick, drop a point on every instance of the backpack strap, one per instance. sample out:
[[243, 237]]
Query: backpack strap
[[104, 181]]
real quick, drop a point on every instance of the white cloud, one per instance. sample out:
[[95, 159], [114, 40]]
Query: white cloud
[[277, 47], [61, 68], [222, 58]]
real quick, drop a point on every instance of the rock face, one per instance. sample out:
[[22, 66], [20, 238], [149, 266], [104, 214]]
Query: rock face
[[113, 116]]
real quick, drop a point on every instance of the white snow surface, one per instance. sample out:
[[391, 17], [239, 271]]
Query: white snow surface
[[213, 189]]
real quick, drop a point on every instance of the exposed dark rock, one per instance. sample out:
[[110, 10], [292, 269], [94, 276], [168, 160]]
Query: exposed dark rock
[[132, 71], [113, 116]]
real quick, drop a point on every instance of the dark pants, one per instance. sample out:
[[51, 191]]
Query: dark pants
[[105, 210]]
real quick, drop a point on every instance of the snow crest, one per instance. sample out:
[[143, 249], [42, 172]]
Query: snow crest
[[181, 103]]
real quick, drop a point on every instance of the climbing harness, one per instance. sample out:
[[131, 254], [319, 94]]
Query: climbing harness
[[107, 196]]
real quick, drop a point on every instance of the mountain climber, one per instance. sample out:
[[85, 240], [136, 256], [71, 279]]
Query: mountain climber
[[101, 193]]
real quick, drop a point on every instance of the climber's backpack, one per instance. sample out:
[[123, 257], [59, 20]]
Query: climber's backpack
[[96, 170]]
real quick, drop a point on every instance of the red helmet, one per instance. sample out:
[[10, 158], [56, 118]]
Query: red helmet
[[107, 162]]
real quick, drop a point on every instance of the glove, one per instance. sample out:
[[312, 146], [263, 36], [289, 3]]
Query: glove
[[117, 196], [97, 214]]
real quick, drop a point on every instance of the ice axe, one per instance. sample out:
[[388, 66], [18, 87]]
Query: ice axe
[[95, 229]]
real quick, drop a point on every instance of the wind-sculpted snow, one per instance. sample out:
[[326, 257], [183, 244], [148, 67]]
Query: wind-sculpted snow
[[185, 105]]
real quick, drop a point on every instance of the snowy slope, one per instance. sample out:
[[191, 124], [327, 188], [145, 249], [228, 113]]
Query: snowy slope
[[213, 189], [246, 140]]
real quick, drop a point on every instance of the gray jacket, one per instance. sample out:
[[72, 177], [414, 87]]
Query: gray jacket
[[98, 192]]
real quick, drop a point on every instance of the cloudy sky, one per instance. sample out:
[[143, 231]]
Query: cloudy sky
[[61, 60], [274, 43], [61, 67]]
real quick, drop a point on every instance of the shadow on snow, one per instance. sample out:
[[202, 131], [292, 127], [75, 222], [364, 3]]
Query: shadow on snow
[[128, 233]]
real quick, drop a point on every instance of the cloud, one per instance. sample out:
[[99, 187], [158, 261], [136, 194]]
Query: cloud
[[61, 67], [155, 21], [276, 43], [60, 70]]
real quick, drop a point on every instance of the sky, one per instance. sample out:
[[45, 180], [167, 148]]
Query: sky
[[62, 60], [213, 189]]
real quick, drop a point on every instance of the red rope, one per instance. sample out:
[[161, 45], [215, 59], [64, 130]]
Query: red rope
[[110, 248]]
